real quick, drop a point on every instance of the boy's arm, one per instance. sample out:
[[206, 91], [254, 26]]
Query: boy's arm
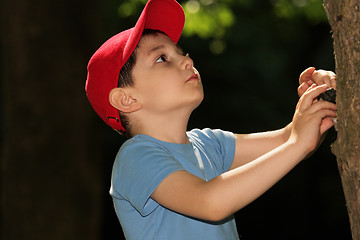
[[214, 200], [224, 195], [251, 146]]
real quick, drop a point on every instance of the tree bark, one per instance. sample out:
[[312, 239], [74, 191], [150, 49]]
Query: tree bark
[[344, 18], [50, 167]]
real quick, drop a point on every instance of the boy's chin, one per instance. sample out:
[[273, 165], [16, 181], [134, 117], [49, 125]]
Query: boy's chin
[[197, 104]]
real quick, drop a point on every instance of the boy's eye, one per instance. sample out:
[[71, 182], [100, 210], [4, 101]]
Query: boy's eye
[[162, 58]]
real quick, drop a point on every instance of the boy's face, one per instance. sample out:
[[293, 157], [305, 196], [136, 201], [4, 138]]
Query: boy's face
[[164, 79]]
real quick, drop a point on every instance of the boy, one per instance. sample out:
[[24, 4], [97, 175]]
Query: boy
[[168, 183]]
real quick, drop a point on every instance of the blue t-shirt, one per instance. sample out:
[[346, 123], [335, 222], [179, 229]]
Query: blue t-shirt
[[140, 166]]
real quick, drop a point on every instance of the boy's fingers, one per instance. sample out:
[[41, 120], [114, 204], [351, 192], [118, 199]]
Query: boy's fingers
[[318, 77], [306, 75], [324, 77], [326, 124], [311, 93], [312, 86], [333, 82], [302, 88], [319, 105]]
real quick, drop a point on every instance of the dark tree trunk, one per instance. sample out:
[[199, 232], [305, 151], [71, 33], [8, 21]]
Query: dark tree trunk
[[344, 18], [50, 166]]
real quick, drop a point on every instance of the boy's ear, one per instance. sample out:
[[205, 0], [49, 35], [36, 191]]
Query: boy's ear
[[121, 99]]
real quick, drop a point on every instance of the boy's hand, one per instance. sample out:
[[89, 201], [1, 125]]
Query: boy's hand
[[310, 76], [312, 118]]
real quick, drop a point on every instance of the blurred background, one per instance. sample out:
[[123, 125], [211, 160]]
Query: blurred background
[[57, 154]]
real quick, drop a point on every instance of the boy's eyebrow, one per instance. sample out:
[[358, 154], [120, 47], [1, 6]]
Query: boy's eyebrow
[[178, 49], [155, 49]]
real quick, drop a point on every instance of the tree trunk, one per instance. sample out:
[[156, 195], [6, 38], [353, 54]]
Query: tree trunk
[[344, 18], [50, 167]]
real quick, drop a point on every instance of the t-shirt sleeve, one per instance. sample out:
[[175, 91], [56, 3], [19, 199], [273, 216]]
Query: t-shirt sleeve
[[221, 142], [138, 169]]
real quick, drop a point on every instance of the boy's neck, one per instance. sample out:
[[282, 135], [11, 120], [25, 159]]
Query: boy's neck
[[171, 128]]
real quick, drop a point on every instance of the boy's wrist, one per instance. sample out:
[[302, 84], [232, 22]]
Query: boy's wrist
[[297, 148], [287, 132]]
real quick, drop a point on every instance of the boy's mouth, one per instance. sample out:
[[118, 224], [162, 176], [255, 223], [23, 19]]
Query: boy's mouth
[[194, 77]]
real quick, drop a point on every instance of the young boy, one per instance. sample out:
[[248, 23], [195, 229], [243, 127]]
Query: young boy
[[168, 183]]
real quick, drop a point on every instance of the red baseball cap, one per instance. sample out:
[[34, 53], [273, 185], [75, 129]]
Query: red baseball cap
[[105, 65]]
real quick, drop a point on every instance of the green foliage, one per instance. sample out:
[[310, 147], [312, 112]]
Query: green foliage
[[214, 19], [207, 19], [312, 10], [130, 7]]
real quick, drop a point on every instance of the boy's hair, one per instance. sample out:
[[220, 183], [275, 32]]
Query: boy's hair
[[107, 62], [126, 79]]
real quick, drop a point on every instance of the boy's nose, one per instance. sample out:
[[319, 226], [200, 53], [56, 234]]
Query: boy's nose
[[187, 62]]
